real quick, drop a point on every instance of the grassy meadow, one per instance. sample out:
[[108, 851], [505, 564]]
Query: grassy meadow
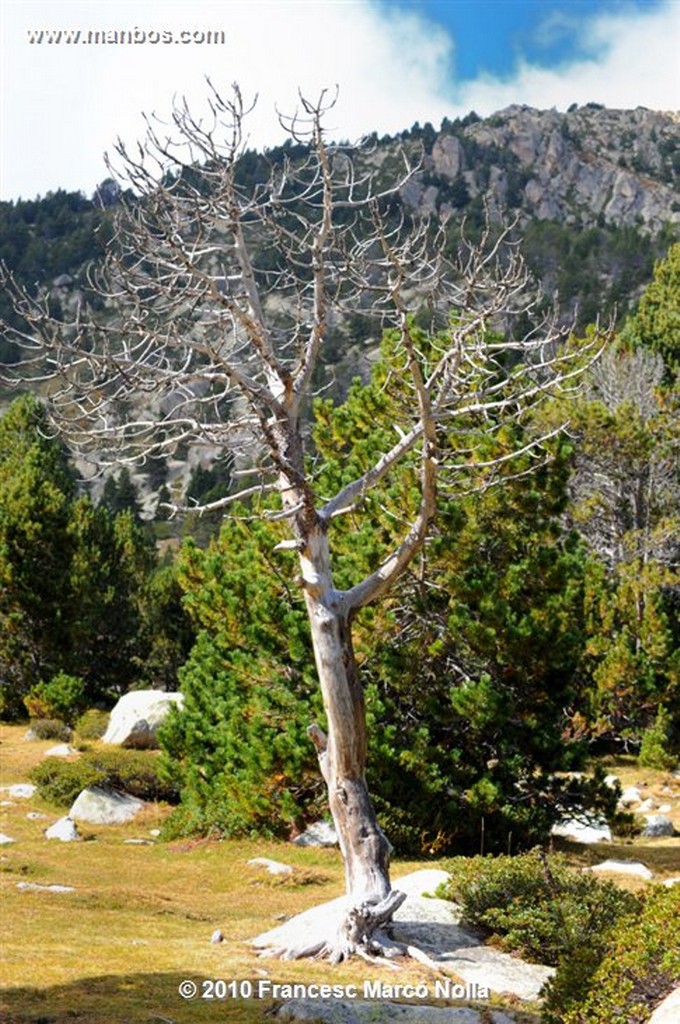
[[140, 918]]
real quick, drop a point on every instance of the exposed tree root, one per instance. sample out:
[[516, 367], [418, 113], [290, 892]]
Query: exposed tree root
[[364, 931]]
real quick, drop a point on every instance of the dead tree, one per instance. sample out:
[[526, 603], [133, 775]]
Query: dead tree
[[219, 299]]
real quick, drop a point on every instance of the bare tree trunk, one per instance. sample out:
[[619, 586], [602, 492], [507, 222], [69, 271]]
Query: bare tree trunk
[[342, 758]]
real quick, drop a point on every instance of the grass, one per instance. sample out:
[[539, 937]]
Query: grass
[[140, 919]]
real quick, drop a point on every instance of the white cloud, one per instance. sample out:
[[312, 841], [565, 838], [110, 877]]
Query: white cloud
[[64, 105], [70, 102], [632, 62]]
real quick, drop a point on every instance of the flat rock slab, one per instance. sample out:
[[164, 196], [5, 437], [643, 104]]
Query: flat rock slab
[[500, 972], [101, 806], [21, 791], [623, 867], [6, 840], [432, 925], [274, 867], [365, 1011], [61, 750], [37, 887]]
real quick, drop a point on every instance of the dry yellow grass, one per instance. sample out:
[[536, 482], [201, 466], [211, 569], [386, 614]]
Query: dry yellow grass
[[140, 919]]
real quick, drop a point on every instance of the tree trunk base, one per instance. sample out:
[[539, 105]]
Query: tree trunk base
[[363, 931]]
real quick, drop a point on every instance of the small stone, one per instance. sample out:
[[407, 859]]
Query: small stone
[[612, 781], [658, 825], [21, 791], [645, 806], [6, 803], [64, 829], [61, 750], [154, 832], [274, 867], [630, 795], [665, 809], [217, 936], [670, 882], [6, 840], [36, 816], [137, 842]]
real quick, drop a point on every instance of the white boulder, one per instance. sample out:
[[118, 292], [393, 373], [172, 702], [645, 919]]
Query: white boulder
[[658, 825], [667, 1012], [64, 829], [6, 840], [136, 717], [61, 750], [630, 795], [101, 806]]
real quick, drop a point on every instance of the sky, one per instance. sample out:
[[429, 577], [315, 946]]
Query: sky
[[395, 62]]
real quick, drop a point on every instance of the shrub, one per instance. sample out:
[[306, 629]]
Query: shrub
[[542, 909], [639, 969], [51, 729], [92, 724], [546, 912], [131, 771], [654, 752], [61, 697]]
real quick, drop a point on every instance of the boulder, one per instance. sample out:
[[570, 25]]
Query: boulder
[[61, 750], [101, 806], [667, 1012], [630, 795], [658, 825], [583, 830], [64, 829], [321, 833], [136, 717]]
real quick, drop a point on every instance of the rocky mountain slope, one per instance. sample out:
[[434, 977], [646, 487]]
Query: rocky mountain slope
[[594, 193]]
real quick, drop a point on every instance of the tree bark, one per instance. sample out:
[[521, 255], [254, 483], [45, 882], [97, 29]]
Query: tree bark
[[342, 756]]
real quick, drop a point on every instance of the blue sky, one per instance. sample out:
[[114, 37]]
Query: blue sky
[[395, 62], [492, 36]]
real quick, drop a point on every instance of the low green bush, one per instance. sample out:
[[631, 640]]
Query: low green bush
[[130, 771], [63, 696], [51, 729], [92, 724], [545, 911], [654, 749], [535, 906], [639, 969]]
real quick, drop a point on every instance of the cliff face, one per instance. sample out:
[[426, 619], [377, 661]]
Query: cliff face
[[588, 166]]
